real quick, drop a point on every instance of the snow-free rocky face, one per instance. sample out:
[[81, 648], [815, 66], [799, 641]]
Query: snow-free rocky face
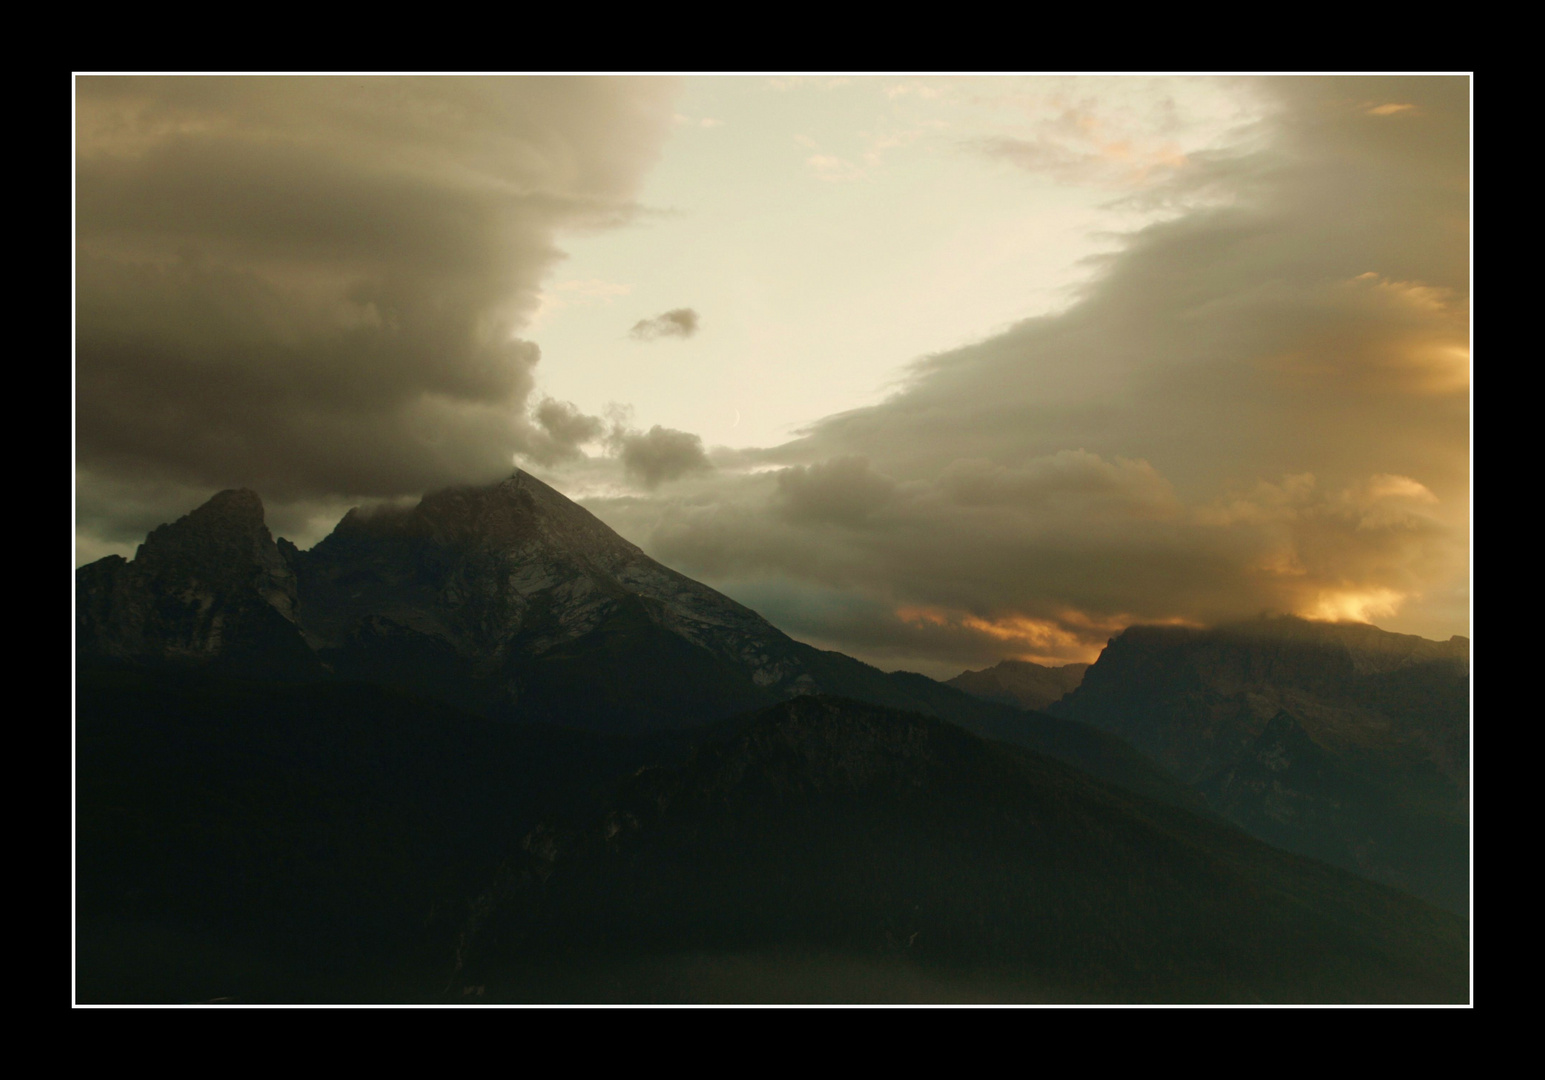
[[518, 568], [212, 586], [509, 599]]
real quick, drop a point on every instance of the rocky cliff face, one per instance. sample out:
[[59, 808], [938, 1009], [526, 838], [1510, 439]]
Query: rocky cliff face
[[1021, 683], [518, 570], [211, 587], [510, 600], [1341, 741]]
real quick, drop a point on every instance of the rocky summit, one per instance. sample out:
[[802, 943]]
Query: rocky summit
[[474, 586], [211, 587], [509, 600], [509, 586]]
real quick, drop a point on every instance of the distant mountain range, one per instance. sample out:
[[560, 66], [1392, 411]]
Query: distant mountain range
[[1341, 741], [510, 601], [1022, 683], [298, 770]]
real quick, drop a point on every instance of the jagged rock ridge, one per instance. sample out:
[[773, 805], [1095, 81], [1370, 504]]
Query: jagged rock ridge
[[510, 600], [518, 569], [211, 587]]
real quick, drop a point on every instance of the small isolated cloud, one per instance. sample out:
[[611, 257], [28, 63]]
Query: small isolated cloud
[[680, 322], [1390, 109], [652, 457], [560, 430]]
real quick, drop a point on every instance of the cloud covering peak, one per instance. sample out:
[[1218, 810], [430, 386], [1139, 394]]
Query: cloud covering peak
[[1258, 401], [315, 286]]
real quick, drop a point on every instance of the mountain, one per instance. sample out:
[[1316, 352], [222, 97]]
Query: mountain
[[825, 849], [297, 772], [510, 601], [1021, 683], [210, 589], [1341, 741]]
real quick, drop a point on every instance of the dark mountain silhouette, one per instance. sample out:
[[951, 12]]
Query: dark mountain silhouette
[[835, 840], [1020, 682], [510, 601], [210, 589], [320, 841], [298, 771], [1340, 741]]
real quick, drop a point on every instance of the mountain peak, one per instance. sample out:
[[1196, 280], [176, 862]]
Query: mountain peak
[[510, 514], [210, 586], [225, 535], [233, 503]]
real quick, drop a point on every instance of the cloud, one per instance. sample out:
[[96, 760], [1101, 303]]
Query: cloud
[[1074, 476], [314, 286], [1260, 403], [562, 431], [1117, 162], [678, 322], [1118, 139], [659, 454], [844, 490]]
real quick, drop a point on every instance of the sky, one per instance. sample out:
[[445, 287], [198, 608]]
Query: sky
[[936, 371]]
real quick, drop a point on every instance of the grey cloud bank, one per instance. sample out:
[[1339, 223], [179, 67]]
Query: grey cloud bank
[[313, 286], [1259, 404]]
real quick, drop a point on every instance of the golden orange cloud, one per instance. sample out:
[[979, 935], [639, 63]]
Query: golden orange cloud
[[1069, 638], [1354, 605]]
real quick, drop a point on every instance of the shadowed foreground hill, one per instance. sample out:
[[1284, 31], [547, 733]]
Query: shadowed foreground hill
[[803, 853], [299, 843]]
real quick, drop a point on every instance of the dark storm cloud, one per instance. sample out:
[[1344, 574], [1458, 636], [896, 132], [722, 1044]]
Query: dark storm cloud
[[843, 490], [679, 322], [313, 286], [1260, 403]]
